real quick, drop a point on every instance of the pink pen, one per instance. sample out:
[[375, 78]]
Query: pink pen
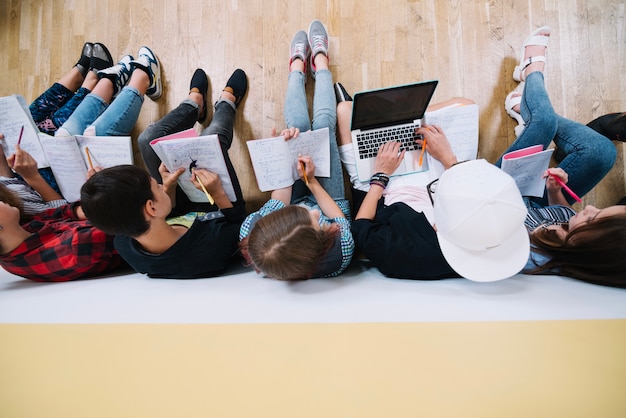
[[567, 189], [19, 140]]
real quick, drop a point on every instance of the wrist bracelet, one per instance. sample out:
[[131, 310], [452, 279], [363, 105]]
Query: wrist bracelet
[[378, 183], [381, 178]]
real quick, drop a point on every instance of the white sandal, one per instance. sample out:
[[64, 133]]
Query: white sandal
[[533, 39], [513, 99]]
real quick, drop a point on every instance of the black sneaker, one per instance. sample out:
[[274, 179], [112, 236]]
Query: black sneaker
[[341, 94], [100, 57], [84, 62], [200, 84], [237, 85], [611, 125]]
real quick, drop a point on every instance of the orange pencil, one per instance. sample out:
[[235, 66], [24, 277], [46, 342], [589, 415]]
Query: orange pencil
[[208, 195], [89, 157], [423, 150], [303, 167]]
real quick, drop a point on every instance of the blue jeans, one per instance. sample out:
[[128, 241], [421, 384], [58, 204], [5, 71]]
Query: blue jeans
[[296, 115], [180, 119], [585, 155], [116, 119]]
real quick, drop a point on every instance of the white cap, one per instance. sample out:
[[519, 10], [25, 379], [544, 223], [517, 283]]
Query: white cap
[[479, 215]]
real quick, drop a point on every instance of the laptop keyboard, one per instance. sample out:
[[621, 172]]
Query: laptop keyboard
[[370, 142]]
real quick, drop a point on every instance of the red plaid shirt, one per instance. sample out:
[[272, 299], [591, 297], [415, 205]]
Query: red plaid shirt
[[61, 248]]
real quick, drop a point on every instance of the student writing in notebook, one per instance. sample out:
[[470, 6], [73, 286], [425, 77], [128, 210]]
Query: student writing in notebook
[[191, 110], [303, 231], [54, 106], [31, 187], [127, 202], [56, 245], [589, 245]]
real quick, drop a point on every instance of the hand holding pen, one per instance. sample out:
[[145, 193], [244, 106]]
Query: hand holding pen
[[306, 168], [212, 180], [557, 179]]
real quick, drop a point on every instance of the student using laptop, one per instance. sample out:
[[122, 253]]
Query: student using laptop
[[474, 207], [389, 113], [394, 224], [303, 231]]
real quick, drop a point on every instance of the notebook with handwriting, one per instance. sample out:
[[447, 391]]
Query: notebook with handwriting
[[274, 159]]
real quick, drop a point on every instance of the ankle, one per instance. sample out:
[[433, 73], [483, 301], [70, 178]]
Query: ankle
[[197, 97], [321, 61], [227, 94], [297, 65]]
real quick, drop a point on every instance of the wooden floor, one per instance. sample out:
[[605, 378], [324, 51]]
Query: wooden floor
[[470, 46]]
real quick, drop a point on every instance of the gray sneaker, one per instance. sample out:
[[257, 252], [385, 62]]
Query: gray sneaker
[[318, 40], [299, 48], [149, 62], [119, 74]]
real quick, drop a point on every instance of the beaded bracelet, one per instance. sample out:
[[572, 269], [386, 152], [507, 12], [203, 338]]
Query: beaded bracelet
[[378, 183], [380, 179]]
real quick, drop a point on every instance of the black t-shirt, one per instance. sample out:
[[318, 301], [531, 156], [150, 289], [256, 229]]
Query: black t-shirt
[[401, 243], [203, 251]]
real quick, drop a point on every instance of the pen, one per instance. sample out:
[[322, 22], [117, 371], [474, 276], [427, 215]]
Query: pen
[[208, 196], [19, 140], [567, 189], [89, 158], [422, 153], [303, 167]]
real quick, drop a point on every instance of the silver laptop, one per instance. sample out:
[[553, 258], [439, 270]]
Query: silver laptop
[[383, 115]]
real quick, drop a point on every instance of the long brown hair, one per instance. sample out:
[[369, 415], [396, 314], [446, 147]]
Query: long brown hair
[[9, 197], [594, 252], [284, 244]]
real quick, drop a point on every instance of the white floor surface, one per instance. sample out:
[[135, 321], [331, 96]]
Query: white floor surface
[[359, 295]]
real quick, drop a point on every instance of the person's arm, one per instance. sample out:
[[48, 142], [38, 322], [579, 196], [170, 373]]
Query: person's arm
[[170, 180], [437, 144], [26, 166], [553, 188], [324, 200], [388, 160]]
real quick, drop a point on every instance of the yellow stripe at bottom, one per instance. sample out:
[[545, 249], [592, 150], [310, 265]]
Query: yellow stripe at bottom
[[487, 369]]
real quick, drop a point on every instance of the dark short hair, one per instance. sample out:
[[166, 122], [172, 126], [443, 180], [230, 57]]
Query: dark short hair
[[114, 199]]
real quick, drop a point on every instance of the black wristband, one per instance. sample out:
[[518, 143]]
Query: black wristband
[[381, 178]]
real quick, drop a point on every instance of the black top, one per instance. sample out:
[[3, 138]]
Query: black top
[[401, 243], [203, 251]]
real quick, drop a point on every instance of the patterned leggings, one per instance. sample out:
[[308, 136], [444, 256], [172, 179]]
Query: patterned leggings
[[54, 106], [50, 111]]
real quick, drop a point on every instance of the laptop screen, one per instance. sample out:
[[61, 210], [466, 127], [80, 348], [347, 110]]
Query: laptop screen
[[391, 106]]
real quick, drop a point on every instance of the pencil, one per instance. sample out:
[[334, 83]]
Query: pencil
[[89, 158], [303, 167], [208, 196], [19, 140], [567, 189], [423, 150]]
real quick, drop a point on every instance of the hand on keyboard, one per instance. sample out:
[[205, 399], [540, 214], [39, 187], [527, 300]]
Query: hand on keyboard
[[389, 157]]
